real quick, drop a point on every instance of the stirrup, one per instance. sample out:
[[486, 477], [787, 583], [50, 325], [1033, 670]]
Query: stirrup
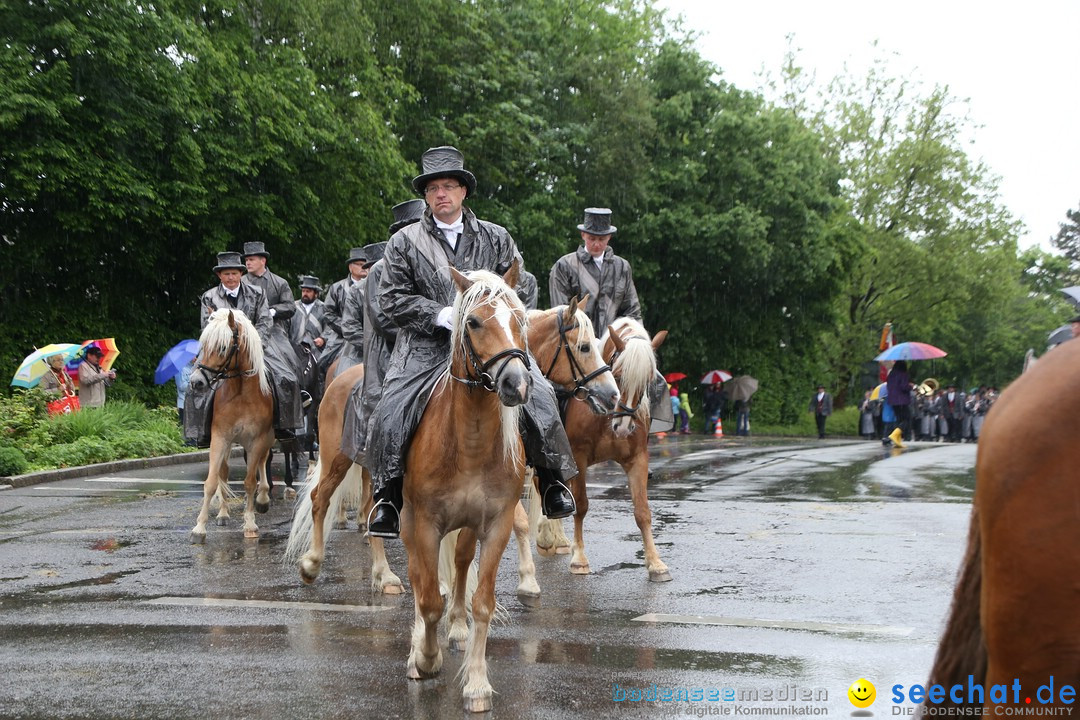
[[556, 508], [388, 528], [305, 399]]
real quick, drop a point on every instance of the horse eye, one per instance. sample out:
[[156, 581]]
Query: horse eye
[[473, 323], [585, 349]]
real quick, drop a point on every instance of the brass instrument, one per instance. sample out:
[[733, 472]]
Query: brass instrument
[[928, 387]]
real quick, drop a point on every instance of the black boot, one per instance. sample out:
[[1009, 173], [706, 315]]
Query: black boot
[[556, 501], [383, 519]]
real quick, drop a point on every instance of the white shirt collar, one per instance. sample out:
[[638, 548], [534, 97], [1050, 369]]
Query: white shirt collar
[[453, 230]]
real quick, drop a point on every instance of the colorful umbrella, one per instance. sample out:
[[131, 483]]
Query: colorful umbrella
[[911, 351], [879, 392], [715, 376], [174, 360], [674, 377], [33, 367], [109, 353]]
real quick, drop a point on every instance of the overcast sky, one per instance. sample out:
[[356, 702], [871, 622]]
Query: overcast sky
[[1017, 63]]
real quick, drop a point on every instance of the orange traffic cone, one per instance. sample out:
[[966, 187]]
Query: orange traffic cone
[[719, 431]]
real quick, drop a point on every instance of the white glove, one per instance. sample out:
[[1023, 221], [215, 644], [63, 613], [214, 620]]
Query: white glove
[[273, 312], [444, 318]]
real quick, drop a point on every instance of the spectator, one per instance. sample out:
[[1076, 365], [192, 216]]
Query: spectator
[[821, 406], [92, 379], [899, 385], [712, 406], [742, 417], [57, 381], [684, 413], [866, 416]]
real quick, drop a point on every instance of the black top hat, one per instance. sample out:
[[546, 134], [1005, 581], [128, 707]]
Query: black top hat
[[229, 261], [597, 222], [374, 253], [406, 213], [357, 255], [93, 350], [444, 161], [309, 281], [255, 248]]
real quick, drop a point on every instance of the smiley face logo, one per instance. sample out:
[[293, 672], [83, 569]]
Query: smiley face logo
[[862, 693]]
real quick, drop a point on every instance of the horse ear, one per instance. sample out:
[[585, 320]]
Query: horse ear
[[568, 314], [232, 320], [512, 275], [658, 339], [616, 340], [582, 303], [463, 283]]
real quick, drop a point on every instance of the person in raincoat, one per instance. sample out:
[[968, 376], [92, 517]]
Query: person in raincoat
[[416, 292], [352, 327], [306, 326], [334, 306], [281, 360], [379, 338]]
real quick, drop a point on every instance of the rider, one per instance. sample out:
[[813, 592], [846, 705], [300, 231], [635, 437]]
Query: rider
[[281, 360], [595, 270], [335, 301], [306, 327], [416, 292]]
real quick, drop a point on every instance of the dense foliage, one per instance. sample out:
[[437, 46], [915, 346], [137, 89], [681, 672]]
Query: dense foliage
[[770, 237]]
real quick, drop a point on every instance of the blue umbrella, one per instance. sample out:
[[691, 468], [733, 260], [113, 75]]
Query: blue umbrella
[[174, 361]]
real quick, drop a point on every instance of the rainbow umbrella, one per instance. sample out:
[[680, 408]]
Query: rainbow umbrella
[[34, 366], [911, 351], [109, 353]]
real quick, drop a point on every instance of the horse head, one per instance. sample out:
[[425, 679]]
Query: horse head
[[564, 344], [632, 356], [229, 348], [490, 349]]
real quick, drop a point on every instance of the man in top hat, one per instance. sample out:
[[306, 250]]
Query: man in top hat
[[335, 306], [416, 293], [953, 408], [595, 269], [306, 328], [821, 406], [380, 334]]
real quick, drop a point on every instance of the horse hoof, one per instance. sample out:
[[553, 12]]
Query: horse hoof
[[546, 551], [290, 493], [562, 550], [197, 538], [478, 704], [659, 576], [392, 589], [251, 533], [222, 521], [262, 507], [580, 569], [529, 590]]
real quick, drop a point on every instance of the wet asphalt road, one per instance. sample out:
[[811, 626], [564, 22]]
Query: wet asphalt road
[[798, 566]]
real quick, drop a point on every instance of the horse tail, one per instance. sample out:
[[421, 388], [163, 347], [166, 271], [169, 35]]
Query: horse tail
[[962, 651], [533, 504], [303, 527]]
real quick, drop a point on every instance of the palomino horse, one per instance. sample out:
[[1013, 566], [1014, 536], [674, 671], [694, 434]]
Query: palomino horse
[[622, 436], [231, 364], [1014, 612], [563, 344]]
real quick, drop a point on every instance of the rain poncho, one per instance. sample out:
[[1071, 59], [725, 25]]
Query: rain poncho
[[307, 325], [333, 306], [352, 328], [414, 287], [281, 361], [610, 288]]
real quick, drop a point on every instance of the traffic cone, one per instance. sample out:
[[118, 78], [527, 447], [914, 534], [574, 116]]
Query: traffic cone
[[897, 438], [719, 431]]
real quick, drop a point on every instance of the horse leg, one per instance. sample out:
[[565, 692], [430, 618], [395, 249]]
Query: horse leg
[[527, 585], [262, 496], [637, 473], [579, 563], [464, 551], [251, 530], [383, 579], [330, 476], [224, 492], [422, 544], [477, 690], [210, 489]]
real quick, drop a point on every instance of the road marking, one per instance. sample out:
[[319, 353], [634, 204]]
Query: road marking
[[272, 604], [848, 628], [155, 481]]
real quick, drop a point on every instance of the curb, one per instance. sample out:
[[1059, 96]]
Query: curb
[[44, 476]]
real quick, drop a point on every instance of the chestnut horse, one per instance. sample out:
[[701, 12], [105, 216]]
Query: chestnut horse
[[231, 365], [1014, 612], [622, 436]]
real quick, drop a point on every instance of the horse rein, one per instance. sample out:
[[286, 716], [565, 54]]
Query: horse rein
[[581, 379], [481, 367], [222, 372]]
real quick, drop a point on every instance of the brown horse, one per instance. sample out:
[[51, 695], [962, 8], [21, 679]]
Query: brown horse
[[231, 364], [622, 436], [1014, 613]]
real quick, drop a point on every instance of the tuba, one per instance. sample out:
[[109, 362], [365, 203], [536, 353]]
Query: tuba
[[928, 387]]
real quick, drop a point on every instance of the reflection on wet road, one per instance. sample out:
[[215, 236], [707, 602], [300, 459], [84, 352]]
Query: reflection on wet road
[[795, 564]]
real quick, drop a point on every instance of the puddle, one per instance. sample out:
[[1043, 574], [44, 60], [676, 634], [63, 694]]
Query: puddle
[[107, 579], [111, 544]]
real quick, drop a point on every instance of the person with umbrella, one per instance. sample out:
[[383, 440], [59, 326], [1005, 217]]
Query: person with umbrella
[[899, 396], [93, 379], [56, 381]]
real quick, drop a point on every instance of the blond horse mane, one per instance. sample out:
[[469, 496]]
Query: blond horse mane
[[489, 289], [635, 367], [217, 338]]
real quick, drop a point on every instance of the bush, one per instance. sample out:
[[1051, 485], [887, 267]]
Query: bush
[[84, 451], [12, 461]]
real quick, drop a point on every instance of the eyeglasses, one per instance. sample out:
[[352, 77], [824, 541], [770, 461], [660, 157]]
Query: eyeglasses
[[446, 187]]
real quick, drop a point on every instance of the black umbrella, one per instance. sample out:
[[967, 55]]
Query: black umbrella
[[741, 388], [1073, 293], [1059, 336]]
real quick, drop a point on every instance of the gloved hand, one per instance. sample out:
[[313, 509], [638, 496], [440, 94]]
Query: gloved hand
[[445, 318]]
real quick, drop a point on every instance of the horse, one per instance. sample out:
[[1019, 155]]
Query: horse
[[622, 436], [563, 344], [230, 364], [1013, 615]]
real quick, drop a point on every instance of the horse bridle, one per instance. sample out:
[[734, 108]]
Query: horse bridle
[[581, 379], [481, 367], [222, 372]]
